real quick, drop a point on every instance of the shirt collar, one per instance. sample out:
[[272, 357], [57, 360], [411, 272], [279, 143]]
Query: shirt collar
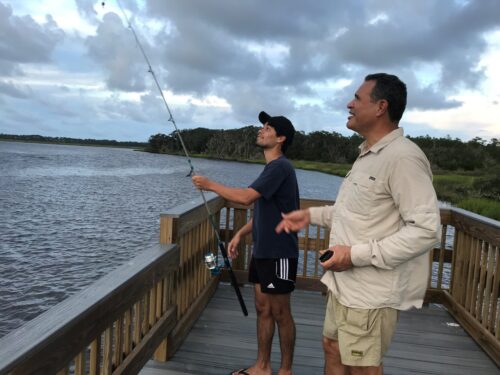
[[388, 138]]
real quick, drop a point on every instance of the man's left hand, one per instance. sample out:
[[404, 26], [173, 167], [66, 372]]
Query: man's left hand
[[341, 259]]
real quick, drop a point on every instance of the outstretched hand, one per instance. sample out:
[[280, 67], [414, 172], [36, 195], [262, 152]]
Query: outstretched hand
[[294, 221]]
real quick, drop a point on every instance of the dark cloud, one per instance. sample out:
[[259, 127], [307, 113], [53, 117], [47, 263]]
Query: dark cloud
[[24, 40], [115, 49], [280, 55], [13, 90], [205, 45]]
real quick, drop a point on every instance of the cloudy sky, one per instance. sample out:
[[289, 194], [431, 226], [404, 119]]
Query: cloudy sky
[[72, 68]]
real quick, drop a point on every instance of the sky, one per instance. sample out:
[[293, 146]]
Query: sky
[[73, 68]]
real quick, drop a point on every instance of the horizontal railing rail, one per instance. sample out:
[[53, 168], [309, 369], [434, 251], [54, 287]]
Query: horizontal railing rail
[[113, 326]]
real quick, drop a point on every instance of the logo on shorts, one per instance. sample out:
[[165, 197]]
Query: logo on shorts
[[356, 353], [271, 286]]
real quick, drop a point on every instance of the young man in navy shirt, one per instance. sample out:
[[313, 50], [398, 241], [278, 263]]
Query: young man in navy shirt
[[273, 267]]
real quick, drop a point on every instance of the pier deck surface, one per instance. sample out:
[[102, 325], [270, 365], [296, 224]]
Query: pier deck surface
[[427, 341]]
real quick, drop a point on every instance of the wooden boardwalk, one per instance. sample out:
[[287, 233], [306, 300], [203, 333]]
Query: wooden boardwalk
[[427, 341]]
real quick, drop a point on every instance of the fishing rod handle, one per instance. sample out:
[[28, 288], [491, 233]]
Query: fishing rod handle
[[232, 276]]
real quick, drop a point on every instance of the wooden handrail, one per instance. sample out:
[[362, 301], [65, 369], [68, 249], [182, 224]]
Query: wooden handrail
[[90, 318]]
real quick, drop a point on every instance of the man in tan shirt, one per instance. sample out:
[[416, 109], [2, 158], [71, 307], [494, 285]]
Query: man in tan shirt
[[383, 224]]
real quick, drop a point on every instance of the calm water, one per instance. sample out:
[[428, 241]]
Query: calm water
[[70, 214]]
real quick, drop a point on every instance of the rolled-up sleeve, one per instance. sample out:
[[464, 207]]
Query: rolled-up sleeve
[[321, 215]]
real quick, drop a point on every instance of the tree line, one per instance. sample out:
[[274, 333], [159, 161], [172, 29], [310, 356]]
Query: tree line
[[72, 141], [331, 147]]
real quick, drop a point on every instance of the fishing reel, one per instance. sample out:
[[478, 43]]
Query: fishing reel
[[211, 263]]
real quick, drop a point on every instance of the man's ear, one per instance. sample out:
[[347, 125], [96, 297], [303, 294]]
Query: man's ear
[[383, 105], [281, 139]]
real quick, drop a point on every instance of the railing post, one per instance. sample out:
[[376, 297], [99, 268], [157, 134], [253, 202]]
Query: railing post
[[168, 235], [168, 230], [239, 220]]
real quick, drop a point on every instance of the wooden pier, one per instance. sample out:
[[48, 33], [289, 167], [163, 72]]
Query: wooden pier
[[427, 341], [164, 304]]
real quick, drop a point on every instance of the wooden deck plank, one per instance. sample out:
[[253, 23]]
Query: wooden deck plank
[[223, 340]]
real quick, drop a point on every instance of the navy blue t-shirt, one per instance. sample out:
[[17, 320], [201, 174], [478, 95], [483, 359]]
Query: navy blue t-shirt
[[279, 191]]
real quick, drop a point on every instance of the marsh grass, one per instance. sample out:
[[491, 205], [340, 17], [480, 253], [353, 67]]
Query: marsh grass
[[330, 168], [486, 207]]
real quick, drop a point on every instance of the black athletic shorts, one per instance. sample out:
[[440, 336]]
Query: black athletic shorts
[[275, 276]]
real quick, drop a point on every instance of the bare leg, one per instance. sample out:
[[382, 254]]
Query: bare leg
[[333, 364], [282, 314], [265, 333]]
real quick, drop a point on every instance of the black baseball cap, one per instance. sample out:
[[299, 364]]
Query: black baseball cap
[[282, 125]]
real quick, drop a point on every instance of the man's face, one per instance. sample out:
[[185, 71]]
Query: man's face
[[266, 137], [362, 109]]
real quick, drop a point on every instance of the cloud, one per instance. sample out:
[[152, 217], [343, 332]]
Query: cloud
[[301, 59], [206, 44], [114, 48], [13, 90], [25, 41]]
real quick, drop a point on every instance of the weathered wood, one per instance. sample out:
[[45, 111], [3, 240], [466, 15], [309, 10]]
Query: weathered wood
[[239, 220], [223, 340], [485, 338], [307, 203], [476, 225], [48, 342], [191, 214], [494, 323], [183, 326], [142, 352], [95, 356]]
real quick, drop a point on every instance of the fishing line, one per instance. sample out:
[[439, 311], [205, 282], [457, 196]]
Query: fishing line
[[210, 259]]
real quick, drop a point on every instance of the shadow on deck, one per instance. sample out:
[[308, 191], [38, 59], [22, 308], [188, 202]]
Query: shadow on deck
[[427, 341]]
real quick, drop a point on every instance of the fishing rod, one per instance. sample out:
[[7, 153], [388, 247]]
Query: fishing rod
[[210, 258]]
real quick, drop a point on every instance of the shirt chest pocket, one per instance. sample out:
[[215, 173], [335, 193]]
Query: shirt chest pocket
[[364, 193]]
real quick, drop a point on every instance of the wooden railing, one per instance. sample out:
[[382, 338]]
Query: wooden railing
[[143, 309], [113, 326], [147, 306], [473, 296]]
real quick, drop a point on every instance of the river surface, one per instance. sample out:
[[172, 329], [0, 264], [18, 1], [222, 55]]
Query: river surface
[[70, 214]]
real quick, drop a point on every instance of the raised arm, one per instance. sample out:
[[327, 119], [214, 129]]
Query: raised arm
[[244, 196]]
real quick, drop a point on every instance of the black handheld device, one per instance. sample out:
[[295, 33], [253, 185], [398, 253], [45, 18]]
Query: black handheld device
[[325, 256]]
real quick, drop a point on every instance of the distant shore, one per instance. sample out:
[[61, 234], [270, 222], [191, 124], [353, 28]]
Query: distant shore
[[72, 141]]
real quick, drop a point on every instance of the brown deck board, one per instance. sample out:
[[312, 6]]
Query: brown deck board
[[223, 340]]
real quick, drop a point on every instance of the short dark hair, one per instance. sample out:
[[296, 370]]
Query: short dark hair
[[389, 87], [281, 125]]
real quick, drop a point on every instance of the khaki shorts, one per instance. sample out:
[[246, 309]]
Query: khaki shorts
[[363, 335]]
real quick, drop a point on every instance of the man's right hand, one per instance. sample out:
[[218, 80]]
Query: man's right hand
[[201, 182], [294, 221], [232, 248]]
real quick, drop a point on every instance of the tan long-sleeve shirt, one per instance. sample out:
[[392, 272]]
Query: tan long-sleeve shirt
[[387, 211]]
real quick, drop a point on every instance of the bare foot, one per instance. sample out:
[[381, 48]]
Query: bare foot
[[254, 370]]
